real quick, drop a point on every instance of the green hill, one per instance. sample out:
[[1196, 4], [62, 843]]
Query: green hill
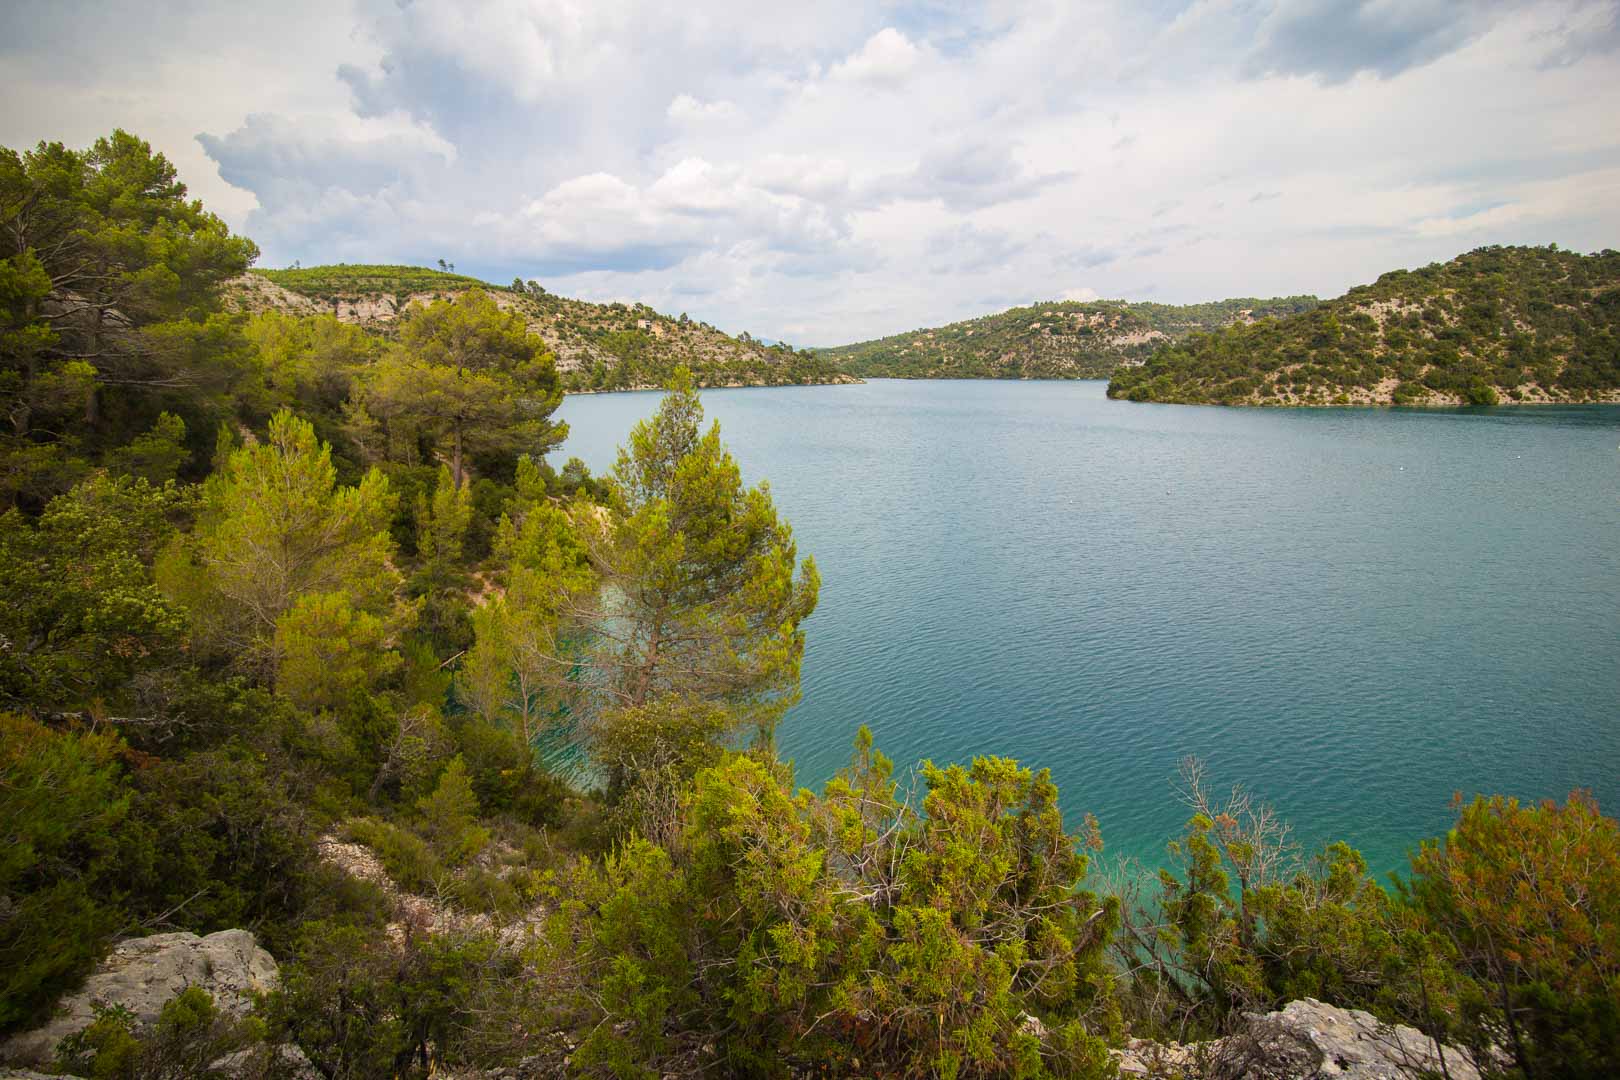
[[598, 346], [1500, 324], [1059, 340]]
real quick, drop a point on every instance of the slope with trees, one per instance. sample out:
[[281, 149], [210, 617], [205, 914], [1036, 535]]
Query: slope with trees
[[1060, 340], [1497, 325], [597, 346]]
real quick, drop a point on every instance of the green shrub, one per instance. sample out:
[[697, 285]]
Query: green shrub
[[409, 859]]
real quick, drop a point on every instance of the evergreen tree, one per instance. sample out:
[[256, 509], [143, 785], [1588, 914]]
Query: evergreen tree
[[471, 378], [276, 527], [699, 593]]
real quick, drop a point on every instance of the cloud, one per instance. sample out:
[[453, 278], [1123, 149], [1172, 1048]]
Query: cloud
[[688, 109], [886, 59], [601, 221], [1336, 39], [856, 167], [965, 176], [968, 249], [1079, 295]]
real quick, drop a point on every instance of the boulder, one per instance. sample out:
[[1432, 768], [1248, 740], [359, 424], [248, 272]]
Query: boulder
[[1306, 1040], [142, 974]]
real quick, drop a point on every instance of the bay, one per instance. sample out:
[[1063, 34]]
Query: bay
[[1355, 612]]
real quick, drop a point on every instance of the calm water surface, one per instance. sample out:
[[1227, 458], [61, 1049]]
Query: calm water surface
[[1355, 611]]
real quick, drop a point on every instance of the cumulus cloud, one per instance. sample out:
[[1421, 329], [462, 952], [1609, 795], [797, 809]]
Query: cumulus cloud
[[849, 169], [886, 59]]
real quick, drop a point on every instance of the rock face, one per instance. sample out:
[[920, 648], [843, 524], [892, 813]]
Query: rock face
[[1306, 1040], [141, 974]]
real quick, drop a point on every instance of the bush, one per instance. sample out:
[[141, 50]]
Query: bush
[[63, 800], [408, 858], [1527, 901]]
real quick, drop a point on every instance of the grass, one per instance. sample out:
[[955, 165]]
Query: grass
[[360, 279]]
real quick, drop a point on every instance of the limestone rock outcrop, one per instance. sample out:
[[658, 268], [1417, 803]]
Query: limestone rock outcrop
[[1306, 1040], [141, 974]]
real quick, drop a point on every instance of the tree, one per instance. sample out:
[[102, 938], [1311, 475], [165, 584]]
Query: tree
[[276, 527], [81, 621], [109, 276], [63, 799], [1528, 900], [698, 595], [309, 361], [521, 668], [326, 650], [847, 931], [471, 378]]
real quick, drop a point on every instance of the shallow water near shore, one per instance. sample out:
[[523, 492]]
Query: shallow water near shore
[[1357, 612]]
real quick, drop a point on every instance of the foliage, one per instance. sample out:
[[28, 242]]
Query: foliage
[[1060, 340], [354, 278], [470, 377], [366, 1007], [309, 362], [190, 1036], [62, 798], [108, 285], [1497, 324], [450, 816], [1528, 900], [275, 527], [598, 346], [700, 596], [845, 929], [100, 630]]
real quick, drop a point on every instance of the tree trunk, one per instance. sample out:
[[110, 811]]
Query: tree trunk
[[455, 459]]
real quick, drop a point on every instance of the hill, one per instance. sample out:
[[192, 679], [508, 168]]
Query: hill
[[1060, 340], [1500, 324], [598, 346]]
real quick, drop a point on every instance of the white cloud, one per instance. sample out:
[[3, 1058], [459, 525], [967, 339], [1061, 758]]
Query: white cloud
[[1079, 295], [859, 167], [887, 58], [687, 109]]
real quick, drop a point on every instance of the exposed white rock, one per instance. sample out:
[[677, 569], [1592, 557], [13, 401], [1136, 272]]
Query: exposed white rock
[[142, 974], [1306, 1040]]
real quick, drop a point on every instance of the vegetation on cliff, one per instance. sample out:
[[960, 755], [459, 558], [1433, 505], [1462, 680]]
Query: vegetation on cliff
[[295, 637], [1061, 340], [596, 346], [1500, 324]]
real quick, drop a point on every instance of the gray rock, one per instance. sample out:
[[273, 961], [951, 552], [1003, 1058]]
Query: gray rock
[[1306, 1040], [286, 1060], [142, 974]]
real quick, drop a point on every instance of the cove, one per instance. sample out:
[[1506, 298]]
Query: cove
[[1356, 612]]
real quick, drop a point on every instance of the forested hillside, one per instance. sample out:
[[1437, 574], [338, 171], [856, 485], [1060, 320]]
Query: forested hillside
[[302, 635], [1500, 324], [596, 346], [1060, 340]]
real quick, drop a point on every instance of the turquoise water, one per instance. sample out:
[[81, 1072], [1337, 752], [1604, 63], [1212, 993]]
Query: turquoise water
[[1354, 611]]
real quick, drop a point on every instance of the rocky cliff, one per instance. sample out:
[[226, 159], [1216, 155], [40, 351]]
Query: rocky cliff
[[598, 346]]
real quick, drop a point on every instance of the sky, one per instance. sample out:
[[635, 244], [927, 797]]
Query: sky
[[829, 172]]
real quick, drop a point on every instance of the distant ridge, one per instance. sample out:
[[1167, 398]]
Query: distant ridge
[[1498, 324], [1057, 340]]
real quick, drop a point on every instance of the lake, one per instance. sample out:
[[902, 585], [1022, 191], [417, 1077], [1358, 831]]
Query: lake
[[1356, 612]]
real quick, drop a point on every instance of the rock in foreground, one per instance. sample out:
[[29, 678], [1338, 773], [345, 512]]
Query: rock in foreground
[[1306, 1040], [141, 974]]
